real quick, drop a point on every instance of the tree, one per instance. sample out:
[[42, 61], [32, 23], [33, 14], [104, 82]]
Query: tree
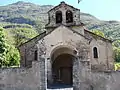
[[116, 48], [12, 57], [40, 26], [9, 39], [22, 35], [98, 32], [2, 47]]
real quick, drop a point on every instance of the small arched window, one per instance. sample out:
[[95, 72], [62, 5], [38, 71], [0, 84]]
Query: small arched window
[[69, 16], [58, 17], [35, 55], [95, 52]]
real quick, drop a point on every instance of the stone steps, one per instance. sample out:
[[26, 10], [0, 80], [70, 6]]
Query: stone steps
[[59, 87], [62, 89]]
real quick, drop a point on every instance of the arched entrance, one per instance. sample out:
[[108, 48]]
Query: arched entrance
[[62, 69], [62, 66]]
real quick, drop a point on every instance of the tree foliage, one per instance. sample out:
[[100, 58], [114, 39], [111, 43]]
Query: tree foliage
[[116, 48], [9, 55], [12, 57], [117, 66], [98, 32], [2, 47], [21, 35], [10, 38]]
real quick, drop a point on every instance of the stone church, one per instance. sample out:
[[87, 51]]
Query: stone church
[[65, 54]]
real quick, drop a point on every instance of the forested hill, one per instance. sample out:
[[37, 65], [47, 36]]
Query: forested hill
[[36, 15], [23, 20], [22, 12]]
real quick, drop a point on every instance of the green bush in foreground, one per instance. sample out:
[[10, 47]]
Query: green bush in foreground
[[117, 66]]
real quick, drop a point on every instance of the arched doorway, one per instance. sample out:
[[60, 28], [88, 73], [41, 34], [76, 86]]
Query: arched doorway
[[62, 69], [62, 66]]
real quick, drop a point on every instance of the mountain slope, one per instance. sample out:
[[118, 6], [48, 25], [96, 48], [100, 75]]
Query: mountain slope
[[36, 15]]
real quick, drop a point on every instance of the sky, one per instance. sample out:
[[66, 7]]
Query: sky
[[102, 9]]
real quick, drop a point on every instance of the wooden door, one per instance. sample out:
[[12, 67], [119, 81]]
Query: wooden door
[[66, 75]]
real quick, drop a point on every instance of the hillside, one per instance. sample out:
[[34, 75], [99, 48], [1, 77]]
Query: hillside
[[22, 21], [22, 12], [36, 16]]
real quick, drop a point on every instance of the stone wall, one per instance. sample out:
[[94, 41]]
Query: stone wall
[[105, 80], [105, 60], [23, 78], [108, 80], [34, 78], [28, 49]]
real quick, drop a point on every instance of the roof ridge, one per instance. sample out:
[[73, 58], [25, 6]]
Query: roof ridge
[[61, 4], [97, 35]]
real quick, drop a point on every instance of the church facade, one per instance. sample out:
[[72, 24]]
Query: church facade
[[67, 48], [65, 54]]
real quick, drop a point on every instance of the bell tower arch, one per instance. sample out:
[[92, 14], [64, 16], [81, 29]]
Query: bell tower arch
[[63, 14]]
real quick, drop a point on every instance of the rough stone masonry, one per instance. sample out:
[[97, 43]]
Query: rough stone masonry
[[66, 54]]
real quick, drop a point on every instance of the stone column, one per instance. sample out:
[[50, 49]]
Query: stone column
[[49, 71], [76, 74], [42, 74], [42, 61]]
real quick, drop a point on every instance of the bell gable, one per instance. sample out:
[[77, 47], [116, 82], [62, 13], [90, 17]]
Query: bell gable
[[63, 14]]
